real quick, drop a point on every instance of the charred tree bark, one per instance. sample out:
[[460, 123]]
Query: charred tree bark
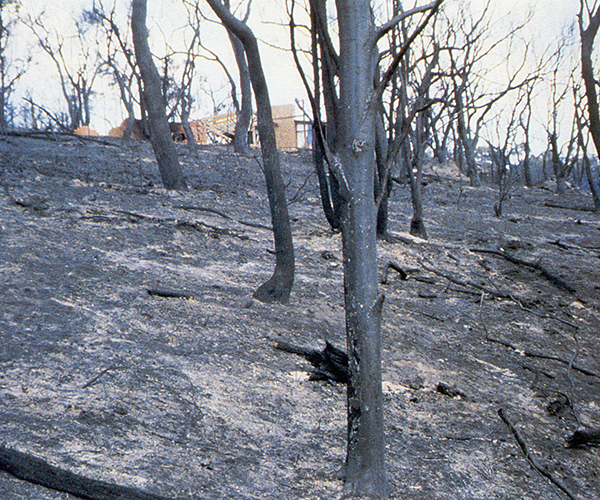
[[160, 134], [329, 364], [383, 178], [365, 463], [560, 169], [244, 108], [587, 72], [187, 128], [37, 471], [466, 142], [278, 288]]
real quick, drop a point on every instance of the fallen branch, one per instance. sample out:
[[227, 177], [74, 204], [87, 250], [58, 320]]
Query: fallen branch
[[203, 209], [555, 280], [386, 270], [532, 461], [579, 439], [169, 294], [466, 284], [579, 208], [543, 316], [37, 471], [98, 377], [532, 354], [329, 364]]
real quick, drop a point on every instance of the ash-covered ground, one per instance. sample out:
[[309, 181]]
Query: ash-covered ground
[[187, 398]]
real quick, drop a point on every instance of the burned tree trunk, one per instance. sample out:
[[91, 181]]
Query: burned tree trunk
[[244, 111], [279, 286], [160, 134], [587, 71], [365, 463]]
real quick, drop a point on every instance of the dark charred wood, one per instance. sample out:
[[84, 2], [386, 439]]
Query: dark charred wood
[[392, 265], [555, 280], [450, 391], [37, 471], [531, 459], [169, 294], [329, 364], [581, 439]]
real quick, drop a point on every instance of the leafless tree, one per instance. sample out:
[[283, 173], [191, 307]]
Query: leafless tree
[[349, 146], [582, 127], [243, 106], [76, 78], [117, 57], [323, 60], [160, 134], [562, 153], [242, 100], [474, 55], [589, 23], [524, 124], [11, 70], [278, 287], [407, 108]]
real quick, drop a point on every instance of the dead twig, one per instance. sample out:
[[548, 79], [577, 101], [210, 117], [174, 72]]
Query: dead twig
[[99, 376], [466, 284], [532, 461], [540, 315], [528, 353], [575, 354], [555, 280], [170, 294]]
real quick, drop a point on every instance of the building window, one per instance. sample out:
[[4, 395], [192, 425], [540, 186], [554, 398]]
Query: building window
[[303, 134]]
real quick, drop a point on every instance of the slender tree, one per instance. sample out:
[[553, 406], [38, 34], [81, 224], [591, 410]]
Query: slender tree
[[76, 75], [160, 134], [118, 61], [243, 109], [588, 35], [279, 286], [11, 70], [351, 155]]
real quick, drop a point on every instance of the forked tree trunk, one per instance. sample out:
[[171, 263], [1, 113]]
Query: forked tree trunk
[[365, 464], [160, 134], [278, 288]]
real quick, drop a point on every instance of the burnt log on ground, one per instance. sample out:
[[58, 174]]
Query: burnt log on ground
[[169, 294], [329, 364], [35, 470], [581, 439]]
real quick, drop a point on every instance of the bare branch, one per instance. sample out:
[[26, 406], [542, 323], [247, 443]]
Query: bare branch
[[392, 23]]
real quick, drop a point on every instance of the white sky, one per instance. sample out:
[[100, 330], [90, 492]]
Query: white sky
[[549, 20]]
